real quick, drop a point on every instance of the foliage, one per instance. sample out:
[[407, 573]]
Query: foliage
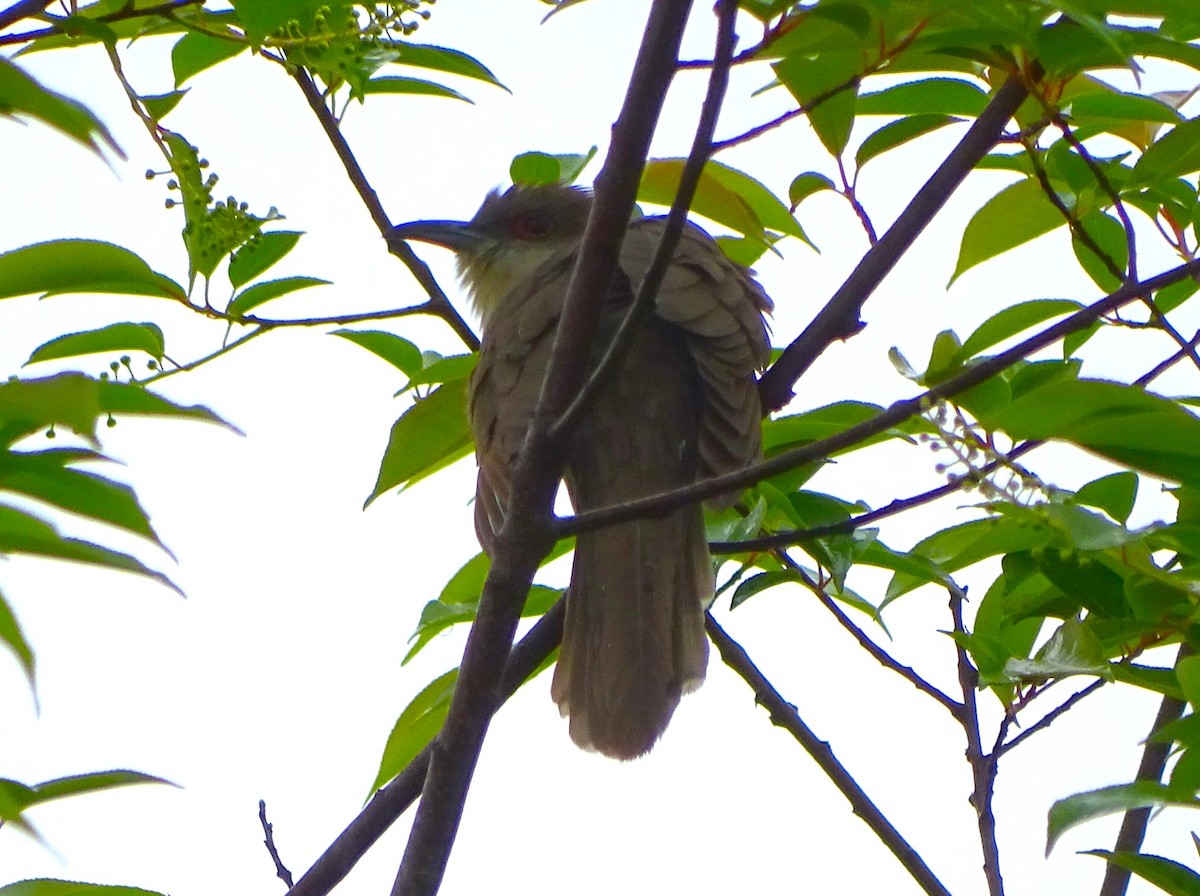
[[1077, 592]]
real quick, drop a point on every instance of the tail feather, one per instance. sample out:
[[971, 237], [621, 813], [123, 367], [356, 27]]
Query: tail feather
[[633, 640]]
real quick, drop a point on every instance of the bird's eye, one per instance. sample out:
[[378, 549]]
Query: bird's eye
[[533, 225]]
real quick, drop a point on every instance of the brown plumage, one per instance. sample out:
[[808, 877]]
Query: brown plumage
[[683, 405]]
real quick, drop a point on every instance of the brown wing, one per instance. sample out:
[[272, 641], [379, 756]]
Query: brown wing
[[719, 307], [506, 385]]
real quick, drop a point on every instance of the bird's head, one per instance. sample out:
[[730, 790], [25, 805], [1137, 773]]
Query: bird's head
[[511, 237]]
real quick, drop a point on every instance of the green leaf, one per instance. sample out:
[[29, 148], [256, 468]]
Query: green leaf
[[938, 96], [1080, 807], [397, 351], [1114, 104], [897, 133], [1073, 649], [144, 337], [1169, 876], [12, 636], [724, 195], [1114, 494], [74, 785], [1109, 235], [443, 60], [828, 87], [1014, 216], [419, 724], [1011, 321], [49, 887], [23, 533], [81, 266], [545, 168], [1187, 671], [430, 435], [444, 370], [1124, 423], [195, 52], [805, 185], [260, 254], [823, 422], [253, 296], [1175, 154], [44, 475], [760, 582], [160, 105], [21, 95], [76, 401], [413, 86]]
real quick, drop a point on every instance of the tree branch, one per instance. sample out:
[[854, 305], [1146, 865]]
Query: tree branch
[[785, 716], [22, 9], [1154, 761], [656, 505], [983, 767], [525, 535], [643, 304], [438, 305], [390, 802], [839, 319]]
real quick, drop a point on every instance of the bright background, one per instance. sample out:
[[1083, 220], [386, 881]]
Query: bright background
[[279, 677]]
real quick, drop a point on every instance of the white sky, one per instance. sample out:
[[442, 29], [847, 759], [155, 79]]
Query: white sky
[[279, 677]]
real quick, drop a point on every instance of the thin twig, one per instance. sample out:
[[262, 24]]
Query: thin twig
[[643, 304], [1048, 719], [126, 12], [983, 767], [655, 505], [785, 716], [525, 537], [281, 870], [839, 319], [438, 304], [877, 653]]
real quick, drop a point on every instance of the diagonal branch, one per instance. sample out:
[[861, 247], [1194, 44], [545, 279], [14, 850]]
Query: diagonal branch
[[785, 716], [899, 411], [390, 802], [22, 9], [839, 319], [437, 305], [643, 303], [525, 536]]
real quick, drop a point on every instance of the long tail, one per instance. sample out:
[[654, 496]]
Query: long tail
[[633, 641]]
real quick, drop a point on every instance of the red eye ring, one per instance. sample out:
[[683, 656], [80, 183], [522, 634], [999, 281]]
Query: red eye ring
[[531, 225]]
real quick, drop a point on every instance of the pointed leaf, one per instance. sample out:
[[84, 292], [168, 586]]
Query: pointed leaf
[[419, 723], [125, 337], [1167, 875], [939, 96], [49, 887], [81, 266], [1011, 321], [396, 84], [195, 52], [897, 133], [1114, 494], [260, 254], [828, 87], [12, 636], [428, 436], [1014, 216], [253, 296], [397, 351], [22, 95], [1075, 810]]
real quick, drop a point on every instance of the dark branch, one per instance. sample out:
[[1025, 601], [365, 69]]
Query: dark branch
[[438, 305], [391, 801], [839, 319], [281, 870], [643, 304], [22, 9], [785, 716], [1154, 762], [1048, 719], [983, 767], [525, 537]]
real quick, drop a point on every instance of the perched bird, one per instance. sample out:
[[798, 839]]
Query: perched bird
[[682, 405]]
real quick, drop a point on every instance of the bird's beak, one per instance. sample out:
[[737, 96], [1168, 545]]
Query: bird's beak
[[456, 235]]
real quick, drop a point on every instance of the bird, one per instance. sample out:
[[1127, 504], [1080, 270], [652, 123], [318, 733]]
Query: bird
[[682, 405]]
